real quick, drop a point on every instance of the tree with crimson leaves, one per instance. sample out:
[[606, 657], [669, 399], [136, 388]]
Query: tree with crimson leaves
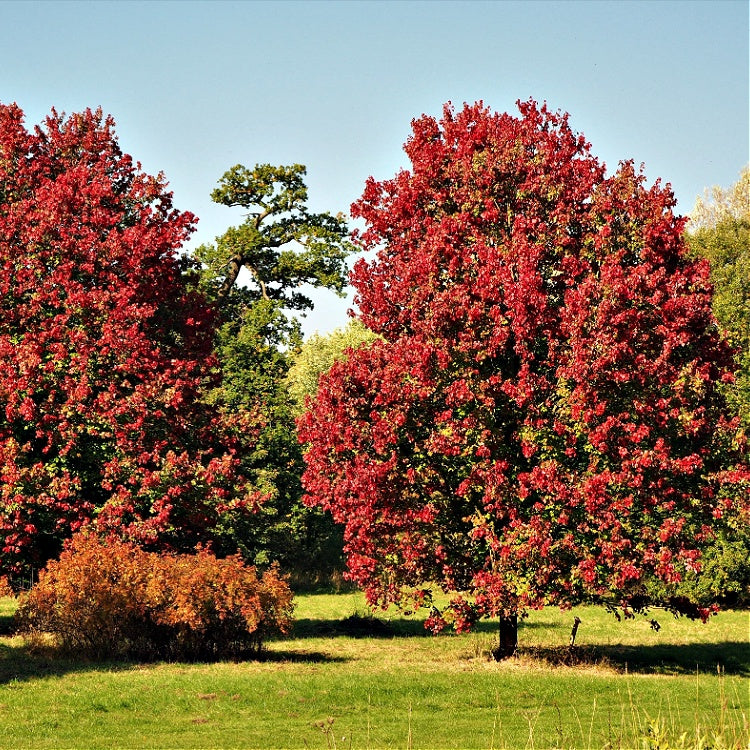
[[541, 422], [105, 354]]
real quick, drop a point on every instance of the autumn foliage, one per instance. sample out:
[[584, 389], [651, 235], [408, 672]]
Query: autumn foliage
[[105, 353], [105, 599], [541, 422]]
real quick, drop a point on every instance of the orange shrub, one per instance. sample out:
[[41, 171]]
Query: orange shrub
[[215, 606], [103, 599], [6, 590]]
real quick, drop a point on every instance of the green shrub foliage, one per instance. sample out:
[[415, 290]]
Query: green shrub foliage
[[113, 599], [723, 578]]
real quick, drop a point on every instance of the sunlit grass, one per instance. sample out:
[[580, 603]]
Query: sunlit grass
[[323, 688]]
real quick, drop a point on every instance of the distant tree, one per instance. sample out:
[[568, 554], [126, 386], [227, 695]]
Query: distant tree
[[281, 244], [105, 353], [284, 248], [719, 230], [317, 355], [541, 422], [319, 542], [718, 204]]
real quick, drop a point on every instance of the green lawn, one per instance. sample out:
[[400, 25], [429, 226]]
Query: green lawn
[[334, 685]]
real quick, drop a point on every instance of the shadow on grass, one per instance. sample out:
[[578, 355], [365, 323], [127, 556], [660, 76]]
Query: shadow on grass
[[301, 657], [371, 626], [728, 657], [19, 664], [7, 625], [358, 626]]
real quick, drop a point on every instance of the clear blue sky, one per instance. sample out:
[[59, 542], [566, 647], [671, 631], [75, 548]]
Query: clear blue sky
[[196, 87]]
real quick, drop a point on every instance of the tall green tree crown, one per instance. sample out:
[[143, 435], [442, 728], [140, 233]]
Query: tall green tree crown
[[719, 230], [284, 250]]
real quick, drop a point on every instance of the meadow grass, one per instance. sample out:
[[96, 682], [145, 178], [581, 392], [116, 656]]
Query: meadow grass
[[346, 680]]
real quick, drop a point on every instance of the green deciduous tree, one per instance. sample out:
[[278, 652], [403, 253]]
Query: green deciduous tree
[[317, 355], [719, 231], [284, 249], [721, 204]]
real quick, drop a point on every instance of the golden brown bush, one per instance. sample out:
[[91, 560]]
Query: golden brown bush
[[113, 599]]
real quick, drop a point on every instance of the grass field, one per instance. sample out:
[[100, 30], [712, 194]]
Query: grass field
[[345, 681]]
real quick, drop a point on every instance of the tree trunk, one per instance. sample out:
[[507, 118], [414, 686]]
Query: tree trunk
[[508, 642], [234, 266]]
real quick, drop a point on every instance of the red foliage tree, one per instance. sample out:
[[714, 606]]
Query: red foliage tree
[[104, 351], [541, 422]]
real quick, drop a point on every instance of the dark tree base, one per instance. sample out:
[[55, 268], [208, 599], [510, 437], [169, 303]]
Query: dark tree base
[[508, 642]]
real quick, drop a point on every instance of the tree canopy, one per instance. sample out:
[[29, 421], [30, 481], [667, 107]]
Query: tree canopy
[[542, 421], [105, 353], [317, 355], [285, 249], [280, 243], [719, 230]]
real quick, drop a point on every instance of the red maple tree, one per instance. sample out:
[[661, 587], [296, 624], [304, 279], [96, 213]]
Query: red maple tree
[[541, 422], [104, 352]]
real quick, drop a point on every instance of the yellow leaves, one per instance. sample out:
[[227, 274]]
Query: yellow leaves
[[720, 204]]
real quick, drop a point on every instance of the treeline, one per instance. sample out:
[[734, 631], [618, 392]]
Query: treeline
[[152, 397]]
